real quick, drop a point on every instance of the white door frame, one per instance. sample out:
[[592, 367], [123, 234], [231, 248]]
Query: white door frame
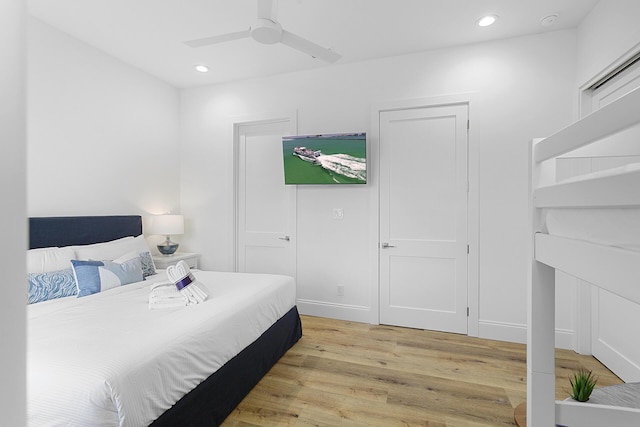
[[584, 91], [237, 123], [470, 99]]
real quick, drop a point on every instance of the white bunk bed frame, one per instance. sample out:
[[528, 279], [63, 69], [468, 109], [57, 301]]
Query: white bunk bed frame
[[614, 269]]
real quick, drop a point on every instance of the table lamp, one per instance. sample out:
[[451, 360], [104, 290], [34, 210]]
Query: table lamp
[[167, 225]]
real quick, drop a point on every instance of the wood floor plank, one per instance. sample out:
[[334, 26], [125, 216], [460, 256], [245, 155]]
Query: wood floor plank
[[346, 379], [471, 402], [344, 373], [458, 363]]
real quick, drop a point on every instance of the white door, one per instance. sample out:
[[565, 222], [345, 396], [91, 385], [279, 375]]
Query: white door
[[423, 217], [266, 215]]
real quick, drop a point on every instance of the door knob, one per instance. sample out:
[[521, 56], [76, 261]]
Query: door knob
[[385, 245], [285, 238]]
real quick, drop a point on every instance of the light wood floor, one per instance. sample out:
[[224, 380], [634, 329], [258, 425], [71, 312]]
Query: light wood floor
[[354, 374]]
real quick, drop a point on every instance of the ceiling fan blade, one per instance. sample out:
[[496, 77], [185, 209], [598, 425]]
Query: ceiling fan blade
[[218, 39], [267, 9], [308, 47]]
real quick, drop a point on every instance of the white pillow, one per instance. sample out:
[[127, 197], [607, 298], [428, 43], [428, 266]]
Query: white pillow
[[107, 250], [127, 257], [45, 260]]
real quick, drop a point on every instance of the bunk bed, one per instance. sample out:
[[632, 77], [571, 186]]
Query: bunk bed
[[608, 266]]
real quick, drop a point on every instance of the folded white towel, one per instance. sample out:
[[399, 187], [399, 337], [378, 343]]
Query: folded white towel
[[180, 274], [166, 295]]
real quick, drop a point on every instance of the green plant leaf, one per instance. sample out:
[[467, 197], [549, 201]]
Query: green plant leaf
[[582, 384]]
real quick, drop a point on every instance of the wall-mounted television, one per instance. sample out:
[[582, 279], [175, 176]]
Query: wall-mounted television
[[337, 158]]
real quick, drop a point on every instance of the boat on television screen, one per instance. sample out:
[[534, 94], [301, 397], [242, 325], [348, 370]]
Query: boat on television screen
[[307, 154]]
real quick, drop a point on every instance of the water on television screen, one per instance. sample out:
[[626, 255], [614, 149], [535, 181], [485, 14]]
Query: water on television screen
[[325, 159]]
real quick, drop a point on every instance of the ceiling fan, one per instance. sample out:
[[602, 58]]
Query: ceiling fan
[[267, 30]]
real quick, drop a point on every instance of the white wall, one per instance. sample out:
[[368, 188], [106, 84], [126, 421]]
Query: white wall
[[89, 112], [609, 31], [102, 135], [13, 226], [524, 88]]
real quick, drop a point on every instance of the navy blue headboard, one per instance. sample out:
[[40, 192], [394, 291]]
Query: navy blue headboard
[[81, 230]]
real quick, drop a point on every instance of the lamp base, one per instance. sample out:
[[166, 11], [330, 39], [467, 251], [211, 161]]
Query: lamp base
[[168, 247]]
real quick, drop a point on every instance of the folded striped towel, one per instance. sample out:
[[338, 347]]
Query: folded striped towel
[[166, 295], [180, 274]]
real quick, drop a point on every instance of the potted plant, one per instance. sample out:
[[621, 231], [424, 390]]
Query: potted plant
[[582, 384]]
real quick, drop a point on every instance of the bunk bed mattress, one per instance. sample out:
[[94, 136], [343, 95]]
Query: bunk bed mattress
[[619, 227], [108, 360]]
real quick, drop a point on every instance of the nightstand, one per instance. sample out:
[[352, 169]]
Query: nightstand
[[164, 261]]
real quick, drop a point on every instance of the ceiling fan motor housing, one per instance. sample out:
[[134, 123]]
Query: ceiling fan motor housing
[[266, 31]]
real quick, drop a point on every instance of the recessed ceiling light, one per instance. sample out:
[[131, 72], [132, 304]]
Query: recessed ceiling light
[[202, 68], [487, 20]]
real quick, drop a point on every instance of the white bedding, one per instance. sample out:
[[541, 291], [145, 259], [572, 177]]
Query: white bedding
[[107, 360]]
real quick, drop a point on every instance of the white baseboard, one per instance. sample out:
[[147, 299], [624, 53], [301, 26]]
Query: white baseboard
[[352, 313], [564, 339], [501, 331], [625, 368], [514, 332]]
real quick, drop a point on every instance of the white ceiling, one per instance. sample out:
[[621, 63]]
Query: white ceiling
[[149, 33]]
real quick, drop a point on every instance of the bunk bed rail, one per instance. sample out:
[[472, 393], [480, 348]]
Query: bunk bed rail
[[614, 269], [610, 119], [570, 413], [596, 192]]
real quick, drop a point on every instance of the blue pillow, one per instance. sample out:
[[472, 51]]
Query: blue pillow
[[51, 285], [97, 276]]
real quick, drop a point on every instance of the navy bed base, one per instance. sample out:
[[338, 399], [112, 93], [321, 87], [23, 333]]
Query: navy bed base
[[216, 397]]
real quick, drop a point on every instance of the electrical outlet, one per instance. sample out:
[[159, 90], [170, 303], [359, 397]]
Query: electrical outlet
[[338, 213], [340, 290]]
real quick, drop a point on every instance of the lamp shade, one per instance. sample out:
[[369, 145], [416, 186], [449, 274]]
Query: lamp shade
[[167, 224]]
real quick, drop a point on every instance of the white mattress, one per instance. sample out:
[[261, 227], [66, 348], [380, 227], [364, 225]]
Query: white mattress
[[619, 227], [611, 227], [107, 360]]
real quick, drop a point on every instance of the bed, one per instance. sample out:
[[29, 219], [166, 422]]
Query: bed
[[108, 360], [604, 252]]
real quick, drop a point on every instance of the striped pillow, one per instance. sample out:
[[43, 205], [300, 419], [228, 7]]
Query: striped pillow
[[51, 285]]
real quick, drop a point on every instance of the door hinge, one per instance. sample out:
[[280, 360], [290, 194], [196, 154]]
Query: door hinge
[[467, 124], [467, 311], [467, 249]]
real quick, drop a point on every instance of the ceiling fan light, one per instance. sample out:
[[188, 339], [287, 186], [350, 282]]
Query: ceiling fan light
[[266, 31], [486, 21], [202, 68]]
